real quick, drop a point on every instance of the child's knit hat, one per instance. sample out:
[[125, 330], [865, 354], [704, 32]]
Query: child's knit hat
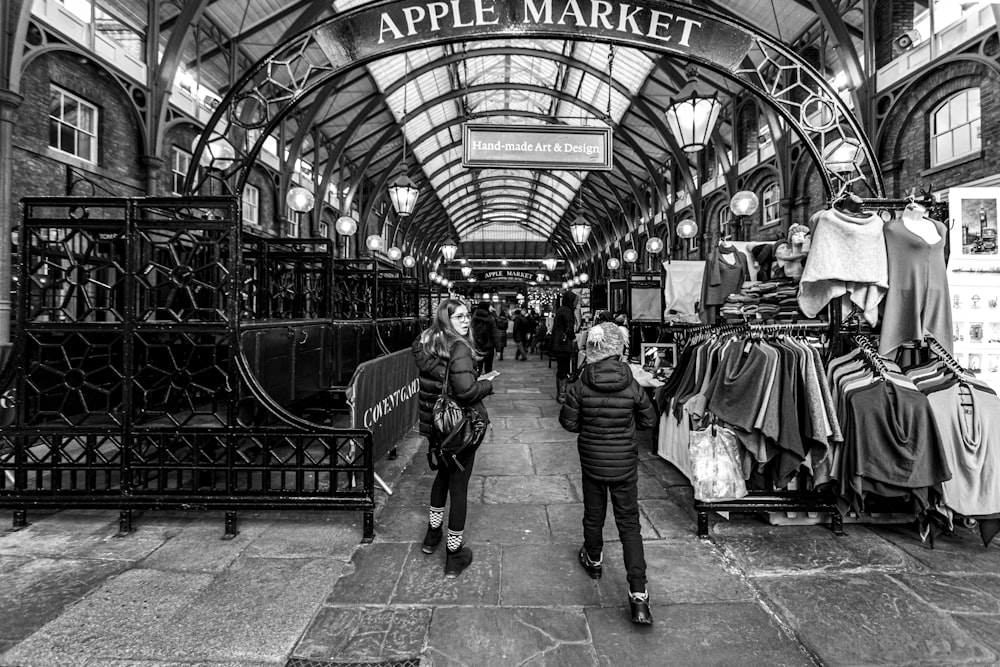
[[603, 340]]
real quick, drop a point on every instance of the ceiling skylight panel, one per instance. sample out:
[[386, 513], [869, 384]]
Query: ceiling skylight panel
[[631, 68]]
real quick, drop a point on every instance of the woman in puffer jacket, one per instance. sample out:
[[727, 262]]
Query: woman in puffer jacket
[[447, 345], [606, 406]]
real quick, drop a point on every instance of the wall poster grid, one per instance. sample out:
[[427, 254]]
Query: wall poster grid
[[974, 280]]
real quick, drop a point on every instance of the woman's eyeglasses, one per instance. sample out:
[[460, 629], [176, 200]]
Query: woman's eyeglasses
[[466, 316]]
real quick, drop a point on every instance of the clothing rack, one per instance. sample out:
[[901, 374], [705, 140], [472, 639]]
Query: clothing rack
[[937, 348], [775, 500], [871, 356]]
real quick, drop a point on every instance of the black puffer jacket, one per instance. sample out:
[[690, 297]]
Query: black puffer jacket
[[605, 406], [464, 386]]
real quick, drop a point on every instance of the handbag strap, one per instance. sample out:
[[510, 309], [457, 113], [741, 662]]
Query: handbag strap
[[444, 383]]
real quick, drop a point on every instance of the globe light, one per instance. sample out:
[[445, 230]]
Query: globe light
[[300, 200], [346, 225], [614, 263], [584, 277], [409, 262], [630, 255], [394, 253], [743, 203], [654, 244], [433, 276], [374, 242], [687, 228]]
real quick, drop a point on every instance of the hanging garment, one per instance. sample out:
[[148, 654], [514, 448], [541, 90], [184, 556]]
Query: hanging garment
[[725, 272], [918, 300], [847, 256], [969, 423], [682, 287]]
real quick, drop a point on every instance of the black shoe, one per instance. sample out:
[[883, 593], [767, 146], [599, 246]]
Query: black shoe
[[640, 609], [457, 561], [432, 539], [592, 568]]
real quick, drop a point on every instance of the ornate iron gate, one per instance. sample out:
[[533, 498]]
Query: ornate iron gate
[[129, 384]]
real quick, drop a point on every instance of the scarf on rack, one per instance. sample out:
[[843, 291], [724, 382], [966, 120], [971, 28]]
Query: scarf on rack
[[847, 256]]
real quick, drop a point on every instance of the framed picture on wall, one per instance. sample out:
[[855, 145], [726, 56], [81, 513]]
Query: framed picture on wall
[[658, 355], [974, 213]]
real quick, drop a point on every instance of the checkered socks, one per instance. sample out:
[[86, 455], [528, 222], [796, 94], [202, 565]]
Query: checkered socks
[[436, 517], [455, 540]]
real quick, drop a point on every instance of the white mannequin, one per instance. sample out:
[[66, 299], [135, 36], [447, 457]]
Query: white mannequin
[[915, 221]]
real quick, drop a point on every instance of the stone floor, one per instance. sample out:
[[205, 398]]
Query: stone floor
[[299, 589]]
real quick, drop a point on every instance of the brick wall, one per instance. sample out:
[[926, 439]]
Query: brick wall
[[40, 170], [904, 149], [892, 18]]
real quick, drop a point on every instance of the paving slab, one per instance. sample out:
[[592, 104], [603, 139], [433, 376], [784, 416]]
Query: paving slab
[[962, 551], [312, 535], [199, 546], [529, 490], [668, 520], [502, 637], [555, 458], [83, 534], [507, 524], [723, 634], [371, 575], [760, 549], [954, 594], [514, 425], [503, 458], [651, 487], [117, 620], [985, 629], [365, 635], [111, 662], [42, 588], [675, 573], [547, 435], [513, 408], [422, 580], [668, 475], [853, 619], [546, 575], [401, 523], [566, 524], [224, 621]]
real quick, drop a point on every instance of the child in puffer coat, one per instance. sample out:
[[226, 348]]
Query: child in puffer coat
[[606, 406]]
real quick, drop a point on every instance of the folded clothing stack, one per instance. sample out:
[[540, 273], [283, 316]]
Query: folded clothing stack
[[770, 300]]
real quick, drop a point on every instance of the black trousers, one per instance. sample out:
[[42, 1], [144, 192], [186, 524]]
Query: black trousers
[[562, 366], [625, 503], [486, 363], [454, 483]]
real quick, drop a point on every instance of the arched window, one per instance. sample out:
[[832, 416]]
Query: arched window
[[955, 127], [770, 206]]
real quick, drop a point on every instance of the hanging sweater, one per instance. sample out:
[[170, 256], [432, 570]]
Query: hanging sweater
[[848, 256], [721, 279]]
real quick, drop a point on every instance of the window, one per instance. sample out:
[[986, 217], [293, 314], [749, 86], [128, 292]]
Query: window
[[182, 162], [955, 128], [251, 204], [72, 125], [771, 202], [295, 223], [726, 227], [692, 243], [324, 229]]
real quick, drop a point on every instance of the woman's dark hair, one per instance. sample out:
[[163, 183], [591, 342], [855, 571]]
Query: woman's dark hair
[[569, 300], [604, 316], [438, 338]]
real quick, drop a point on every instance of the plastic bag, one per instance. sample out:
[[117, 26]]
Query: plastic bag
[[716, 473]]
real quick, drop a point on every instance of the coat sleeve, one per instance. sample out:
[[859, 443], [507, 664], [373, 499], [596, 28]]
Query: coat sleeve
[[645, 413], [569, 415], [466, 389]]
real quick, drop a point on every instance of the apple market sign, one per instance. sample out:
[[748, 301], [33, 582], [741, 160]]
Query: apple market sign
[[389, 26], [536, 147], [507, 274]]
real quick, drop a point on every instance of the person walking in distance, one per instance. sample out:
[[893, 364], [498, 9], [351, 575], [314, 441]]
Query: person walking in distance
[[485, 335], [563, 336], [520, 332], [605, 406], [503, 321], [447, 346]]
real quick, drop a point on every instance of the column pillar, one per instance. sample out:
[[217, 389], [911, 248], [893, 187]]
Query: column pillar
[[154, 164], [9, 103]]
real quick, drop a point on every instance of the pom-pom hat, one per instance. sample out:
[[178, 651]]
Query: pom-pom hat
[[603, 340]]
